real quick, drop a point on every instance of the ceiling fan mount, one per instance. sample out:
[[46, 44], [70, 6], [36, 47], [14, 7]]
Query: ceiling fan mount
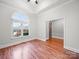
[[36, 1], [28, 0]]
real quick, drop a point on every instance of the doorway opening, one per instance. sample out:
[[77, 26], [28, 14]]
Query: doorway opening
[[56, 31]]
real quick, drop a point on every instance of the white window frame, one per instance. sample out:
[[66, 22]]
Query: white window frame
[[23, 22]]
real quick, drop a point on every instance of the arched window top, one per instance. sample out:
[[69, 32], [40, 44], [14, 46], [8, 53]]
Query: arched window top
[[21, 16]]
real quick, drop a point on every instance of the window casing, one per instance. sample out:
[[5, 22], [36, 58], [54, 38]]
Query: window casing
[[20, 25]]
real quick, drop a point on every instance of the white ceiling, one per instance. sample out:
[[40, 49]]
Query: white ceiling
[[31, 6]]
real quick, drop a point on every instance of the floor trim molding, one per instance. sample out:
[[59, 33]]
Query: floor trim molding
[[14, 43], [72, 49], [57, 37]]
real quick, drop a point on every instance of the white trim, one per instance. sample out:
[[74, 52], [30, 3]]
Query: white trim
[[42, 39], [72, 49], [57, 37], [18, 42], [14, 43]]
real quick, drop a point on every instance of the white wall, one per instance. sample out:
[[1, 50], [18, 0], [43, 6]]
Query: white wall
[[5, 25], [70, 13]]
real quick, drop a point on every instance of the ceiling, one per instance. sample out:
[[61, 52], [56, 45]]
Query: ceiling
[[31, 6]]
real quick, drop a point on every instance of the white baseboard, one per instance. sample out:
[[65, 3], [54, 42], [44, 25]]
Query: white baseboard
[[57, 37], [18, 42], [72, 49], [42, 39], [14, 43]]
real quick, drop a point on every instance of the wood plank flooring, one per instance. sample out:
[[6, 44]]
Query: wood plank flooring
[[36, 49]]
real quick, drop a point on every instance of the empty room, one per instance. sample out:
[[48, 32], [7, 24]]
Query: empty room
[[39, 29]]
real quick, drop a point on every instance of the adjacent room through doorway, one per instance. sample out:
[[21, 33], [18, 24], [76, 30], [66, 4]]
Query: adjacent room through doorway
[[56, 30]]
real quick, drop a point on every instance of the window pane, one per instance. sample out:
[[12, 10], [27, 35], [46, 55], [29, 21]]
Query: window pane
[[16, 24], [25, 32], [16, 32], [19, 16], [25, 25]]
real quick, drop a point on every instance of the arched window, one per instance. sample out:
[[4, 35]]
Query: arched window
[[20, 24]]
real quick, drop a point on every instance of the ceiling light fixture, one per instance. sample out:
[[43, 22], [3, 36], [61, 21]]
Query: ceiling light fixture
[[28, 0], [36, 1]]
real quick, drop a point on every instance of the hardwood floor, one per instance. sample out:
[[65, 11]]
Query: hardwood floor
[[36, 49]]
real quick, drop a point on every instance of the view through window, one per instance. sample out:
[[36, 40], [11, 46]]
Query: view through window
[[20, 24]]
